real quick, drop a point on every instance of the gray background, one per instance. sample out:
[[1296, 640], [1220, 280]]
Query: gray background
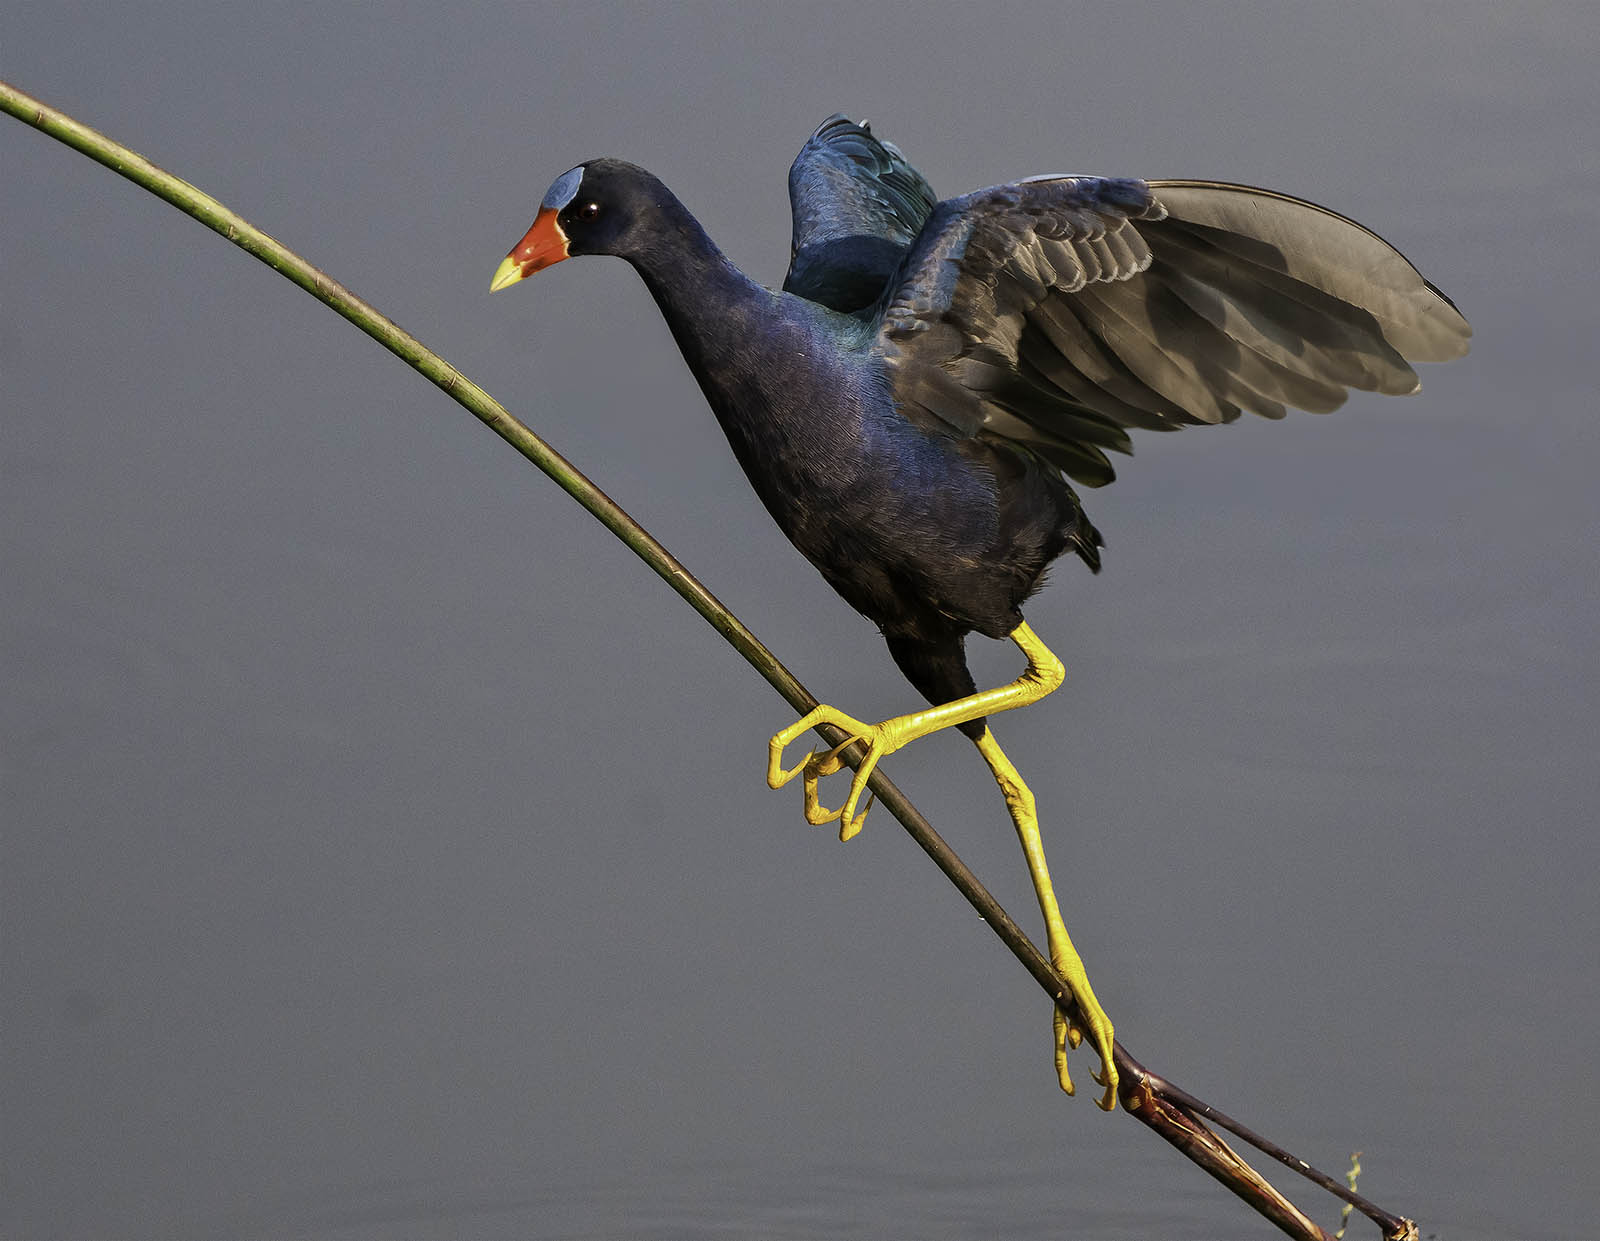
[[386, 852]]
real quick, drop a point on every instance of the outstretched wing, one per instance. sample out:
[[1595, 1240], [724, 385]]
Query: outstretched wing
[[858, 206], [1059, 312]]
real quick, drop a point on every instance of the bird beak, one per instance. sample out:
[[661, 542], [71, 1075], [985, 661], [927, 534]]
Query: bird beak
[[544, 244]]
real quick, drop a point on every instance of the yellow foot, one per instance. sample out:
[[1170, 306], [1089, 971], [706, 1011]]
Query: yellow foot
[[880, 739], [1067, 1035]]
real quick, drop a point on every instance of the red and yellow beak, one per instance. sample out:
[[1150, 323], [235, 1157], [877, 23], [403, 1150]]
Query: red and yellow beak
[[544, 244]]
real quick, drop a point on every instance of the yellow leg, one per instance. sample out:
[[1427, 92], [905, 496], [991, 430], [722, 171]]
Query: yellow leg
[[1044, 674], [1019, 800]]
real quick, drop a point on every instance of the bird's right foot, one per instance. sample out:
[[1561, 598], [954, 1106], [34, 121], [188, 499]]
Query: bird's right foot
[[880, 739]]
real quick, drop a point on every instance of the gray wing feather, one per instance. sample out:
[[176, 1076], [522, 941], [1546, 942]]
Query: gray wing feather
[[1059, 312], [1321, 248]]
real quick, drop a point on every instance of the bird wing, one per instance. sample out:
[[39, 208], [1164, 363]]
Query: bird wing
[[858, 206], [1059, 312]]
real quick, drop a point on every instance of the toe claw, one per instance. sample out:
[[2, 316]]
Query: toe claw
[[1107, 1077], [816, 813], [783, 777], [1108, 1101], [849, 828], [777, 774]]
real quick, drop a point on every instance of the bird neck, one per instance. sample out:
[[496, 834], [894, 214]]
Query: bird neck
[[765, 361], [708, 302]]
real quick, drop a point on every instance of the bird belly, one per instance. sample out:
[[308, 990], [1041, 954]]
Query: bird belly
[[906, 528]]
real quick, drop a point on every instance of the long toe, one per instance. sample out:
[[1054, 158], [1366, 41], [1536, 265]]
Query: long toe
[[1059, 1039]]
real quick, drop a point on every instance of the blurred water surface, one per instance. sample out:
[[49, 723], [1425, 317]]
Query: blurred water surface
[[386, 855]]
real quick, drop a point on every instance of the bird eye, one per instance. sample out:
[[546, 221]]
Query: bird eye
[[589, 211]]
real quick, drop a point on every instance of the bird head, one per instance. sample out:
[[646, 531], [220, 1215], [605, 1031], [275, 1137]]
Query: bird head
[[590, 209]]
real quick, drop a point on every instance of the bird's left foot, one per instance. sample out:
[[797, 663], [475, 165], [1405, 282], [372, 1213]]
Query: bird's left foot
[[880, 739]]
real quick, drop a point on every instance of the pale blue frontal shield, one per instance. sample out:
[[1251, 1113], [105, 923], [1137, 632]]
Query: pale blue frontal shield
[[564, 190]]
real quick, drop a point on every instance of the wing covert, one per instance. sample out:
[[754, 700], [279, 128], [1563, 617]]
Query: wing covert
[[857, 205]]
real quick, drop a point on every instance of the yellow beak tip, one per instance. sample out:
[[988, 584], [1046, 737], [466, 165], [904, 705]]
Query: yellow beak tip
[[508, 273]]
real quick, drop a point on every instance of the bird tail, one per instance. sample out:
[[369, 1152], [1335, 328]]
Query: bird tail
[[1082, 537]]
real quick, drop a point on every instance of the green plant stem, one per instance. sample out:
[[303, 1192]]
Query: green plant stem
[[1172, 1113]]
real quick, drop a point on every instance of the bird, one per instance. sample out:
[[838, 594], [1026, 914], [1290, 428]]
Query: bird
[[914, 406]]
